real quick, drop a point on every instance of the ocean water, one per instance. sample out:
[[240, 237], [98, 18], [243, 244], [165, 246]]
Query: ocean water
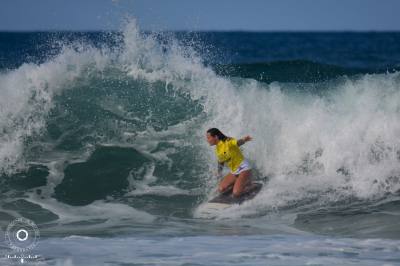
[[102, 146]]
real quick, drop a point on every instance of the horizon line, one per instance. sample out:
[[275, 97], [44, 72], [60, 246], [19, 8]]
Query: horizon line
[[197, 31]]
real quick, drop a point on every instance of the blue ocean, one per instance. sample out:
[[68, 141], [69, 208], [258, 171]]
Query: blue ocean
[[102, 146]]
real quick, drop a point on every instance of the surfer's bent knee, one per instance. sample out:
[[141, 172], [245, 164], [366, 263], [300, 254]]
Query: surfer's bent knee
[[241, 183], [226, 182]]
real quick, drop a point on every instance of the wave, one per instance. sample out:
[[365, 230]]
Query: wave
[[127, 125]]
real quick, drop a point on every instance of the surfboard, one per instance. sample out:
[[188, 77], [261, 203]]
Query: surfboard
[[226, 200]]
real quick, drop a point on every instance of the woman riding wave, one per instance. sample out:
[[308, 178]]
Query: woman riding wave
[[229, 153]]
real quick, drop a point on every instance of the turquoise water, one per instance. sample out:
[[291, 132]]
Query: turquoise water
[[102, 146]]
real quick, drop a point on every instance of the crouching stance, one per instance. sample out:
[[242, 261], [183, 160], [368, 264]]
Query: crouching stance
[[229, 153]]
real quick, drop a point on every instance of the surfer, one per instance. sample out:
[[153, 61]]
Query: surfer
[[229, 153]]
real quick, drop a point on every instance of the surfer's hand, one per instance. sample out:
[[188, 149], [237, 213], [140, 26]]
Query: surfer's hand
[[243, 140], [247, 138]]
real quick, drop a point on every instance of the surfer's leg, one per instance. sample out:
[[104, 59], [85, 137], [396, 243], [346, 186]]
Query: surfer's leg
[[242, 181], [226, 183]]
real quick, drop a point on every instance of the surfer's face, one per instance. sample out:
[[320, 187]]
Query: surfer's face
[[212, 140]]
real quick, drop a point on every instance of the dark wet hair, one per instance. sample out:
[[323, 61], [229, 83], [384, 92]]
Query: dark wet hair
[[216, 132]]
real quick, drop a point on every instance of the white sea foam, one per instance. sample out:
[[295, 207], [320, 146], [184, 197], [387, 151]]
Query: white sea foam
[[26, 97], [112, 213], [339, 145]]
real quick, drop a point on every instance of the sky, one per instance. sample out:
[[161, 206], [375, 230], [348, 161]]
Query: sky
[[201, 15]]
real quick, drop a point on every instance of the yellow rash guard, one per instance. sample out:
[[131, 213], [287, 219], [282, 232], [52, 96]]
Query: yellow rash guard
[[228, 152]]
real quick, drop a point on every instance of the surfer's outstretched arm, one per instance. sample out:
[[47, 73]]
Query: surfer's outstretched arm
[[243, 140]]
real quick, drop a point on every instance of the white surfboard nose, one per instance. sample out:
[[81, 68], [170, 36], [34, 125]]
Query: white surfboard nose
[[213, 207]]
